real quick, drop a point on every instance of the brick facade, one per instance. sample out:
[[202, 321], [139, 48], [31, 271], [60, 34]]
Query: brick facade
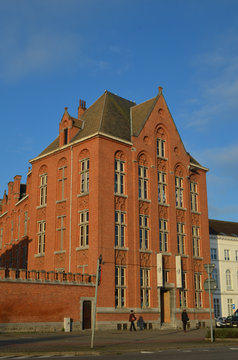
[[118, 182]]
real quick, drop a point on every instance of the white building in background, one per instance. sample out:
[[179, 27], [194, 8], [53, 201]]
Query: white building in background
[[224, 254]]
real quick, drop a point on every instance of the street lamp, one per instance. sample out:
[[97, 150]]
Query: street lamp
[[210, 286]]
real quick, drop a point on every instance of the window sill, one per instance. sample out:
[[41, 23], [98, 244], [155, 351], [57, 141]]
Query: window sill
[[121, 195], [145, 200], [41, 206], [197, 257], [60, 252], [39, 255], [165, 253], [61, 201], [121, 248], [83, 194], [184, 256], [82, 248], [145, 251], [162, 157], [181, 208], [163, 204], [196, 212]]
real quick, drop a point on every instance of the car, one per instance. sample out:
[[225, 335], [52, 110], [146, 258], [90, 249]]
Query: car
[[231, 321], [220, 321]]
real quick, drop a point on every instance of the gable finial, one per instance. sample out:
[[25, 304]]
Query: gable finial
[[160, 90]]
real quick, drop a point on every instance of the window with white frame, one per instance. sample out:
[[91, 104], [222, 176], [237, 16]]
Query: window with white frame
[[193, 196], [228, 280], [144, 231], [213, 254], [120, 286], [183, 291], [43, 189], [62, 182], [215, 276], [163, 235], [84, 176], [41, 237], [229, 307], [180, 238], [179, 191], [143, 182], [145, 287], [198, 290], [226, 254], [119, 176], [161, 187], [160, 144], [120, 228], [83, 228], [216, 305], [236, 255], [61, 231], [196, 240]]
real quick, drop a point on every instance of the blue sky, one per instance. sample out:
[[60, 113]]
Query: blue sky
[[53, 52]]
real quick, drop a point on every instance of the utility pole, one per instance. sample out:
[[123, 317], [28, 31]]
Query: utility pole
[[98, 278], [210, 285]]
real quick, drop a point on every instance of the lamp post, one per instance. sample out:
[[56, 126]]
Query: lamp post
[[98, 278], [210, 285]]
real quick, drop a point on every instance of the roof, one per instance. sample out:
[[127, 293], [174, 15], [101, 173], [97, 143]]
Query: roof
[[227, 228]]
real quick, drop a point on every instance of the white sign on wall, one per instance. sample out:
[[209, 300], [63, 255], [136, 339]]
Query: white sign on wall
[[159, 270]]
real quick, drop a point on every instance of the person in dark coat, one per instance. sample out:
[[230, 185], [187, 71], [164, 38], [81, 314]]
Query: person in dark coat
[[185, 319], [132, 318], [141, 323]]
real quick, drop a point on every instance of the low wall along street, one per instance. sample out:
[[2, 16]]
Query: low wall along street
[[40, 301]]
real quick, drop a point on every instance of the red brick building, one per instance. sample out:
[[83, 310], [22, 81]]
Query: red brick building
[[117, 181]]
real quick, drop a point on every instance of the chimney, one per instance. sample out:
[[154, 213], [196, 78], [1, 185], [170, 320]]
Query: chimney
[[81, 108]]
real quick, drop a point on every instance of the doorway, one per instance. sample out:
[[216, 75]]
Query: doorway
[[165, 307], [86, 314]]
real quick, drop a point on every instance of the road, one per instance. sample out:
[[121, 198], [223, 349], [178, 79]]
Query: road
[[210, 353]]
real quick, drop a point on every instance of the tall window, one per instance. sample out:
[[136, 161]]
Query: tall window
[[160, 147], [43, 189], [193, 196], [145, 287], [119, 228], [84, 228], [1, 236], [84, 176], [228, 280], [62, 182], [226, 254], [198, 290], [119, 176], [144, 231], [163, 235], [120, 287], [213, 253], [61, 231], [180, 238], [25, 222], [229, 307], [183, 291], [179, 191], [41, 237], [65, 136], [143, 182], [196, 240], [215, 277], [236, 255], [216, 303], [161, 187]]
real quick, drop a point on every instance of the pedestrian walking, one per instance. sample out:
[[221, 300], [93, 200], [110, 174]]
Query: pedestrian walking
[[141, 323], [132, 319], [185, 319]]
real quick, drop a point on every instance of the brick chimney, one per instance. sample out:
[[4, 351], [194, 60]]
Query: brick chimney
[[81, 108]]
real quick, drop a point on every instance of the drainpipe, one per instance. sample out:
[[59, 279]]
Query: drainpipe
[[70, 208]]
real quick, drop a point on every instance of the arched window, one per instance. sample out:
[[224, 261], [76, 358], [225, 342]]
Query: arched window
[[228, 280], [143, 174], [119, 176], [62, 180], [84, 172], [161, 143]]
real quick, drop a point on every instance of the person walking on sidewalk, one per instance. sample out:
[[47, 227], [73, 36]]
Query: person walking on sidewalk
[[184, 319], [132, 319]]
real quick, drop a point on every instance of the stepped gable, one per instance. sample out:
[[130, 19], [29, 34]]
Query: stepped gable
[[227, 228]]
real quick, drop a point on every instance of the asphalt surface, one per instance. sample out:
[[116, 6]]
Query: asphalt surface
[[105, 342]]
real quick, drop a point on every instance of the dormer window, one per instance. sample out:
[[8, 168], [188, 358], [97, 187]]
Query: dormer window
[[65, 136]]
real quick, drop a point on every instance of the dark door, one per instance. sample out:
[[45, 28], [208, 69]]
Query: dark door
[[86, 314]]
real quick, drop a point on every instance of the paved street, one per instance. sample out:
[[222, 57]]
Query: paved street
[[105, 342]]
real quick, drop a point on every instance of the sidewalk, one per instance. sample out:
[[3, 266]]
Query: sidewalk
[[78, 343]]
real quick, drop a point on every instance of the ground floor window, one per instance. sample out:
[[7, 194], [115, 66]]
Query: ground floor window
[[229, 307], [145, 287], [120, 286], [216, 303]]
